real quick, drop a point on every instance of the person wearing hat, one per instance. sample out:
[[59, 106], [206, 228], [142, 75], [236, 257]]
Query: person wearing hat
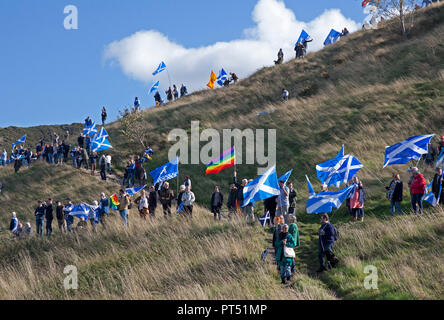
[[417, 190], [68, 217]]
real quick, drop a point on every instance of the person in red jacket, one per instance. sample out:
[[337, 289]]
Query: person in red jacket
[[417, 190]]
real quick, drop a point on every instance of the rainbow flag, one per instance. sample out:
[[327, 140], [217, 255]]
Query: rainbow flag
[[226, 160], [114, 202]]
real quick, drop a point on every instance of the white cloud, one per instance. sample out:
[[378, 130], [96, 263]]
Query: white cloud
[[276, 27]]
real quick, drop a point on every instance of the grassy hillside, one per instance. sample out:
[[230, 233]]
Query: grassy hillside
[[370, 90]]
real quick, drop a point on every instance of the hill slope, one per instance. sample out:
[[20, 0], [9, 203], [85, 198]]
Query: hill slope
[[369, 90]]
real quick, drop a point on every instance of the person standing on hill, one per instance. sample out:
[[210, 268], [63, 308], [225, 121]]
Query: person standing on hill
[[231, 203], [357, 200], [188, 199], [280, 59], [85, 158], [13, 226], [88, 144], [49, 217], [438, 185], [183, 91], [292, 198], [417, 189], [143, 205], [217, 200], [158, 99], [67, 213], [187, 182], [93, 159], [285, 244], [4, 158], [270, 205], [124, 201], [39, 217], [327, 238], [430, 156], [60, 215], [102, 164], [179, 198], [294, 231], [234, 77], [166, 197], [283, 202], [285, 95], [395, 195], [240, 194], [175, 92], [152, 201], [103, 209], [81, 141], [104, 116], [169, 94]]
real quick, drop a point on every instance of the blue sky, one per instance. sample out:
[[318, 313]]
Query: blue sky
[[50, 75]]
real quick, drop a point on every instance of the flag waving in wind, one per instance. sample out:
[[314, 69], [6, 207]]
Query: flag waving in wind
[[225, 161], [263, 187], [410, 149], [213, 79], [154, 87], [286, 176], [304, 36], [90, 130], [166, 172], [332, 37], [162, 66], [222, 77], [133, 191], [324, 202], [19, 141], [311, 192], [100, 141], [81, 211]]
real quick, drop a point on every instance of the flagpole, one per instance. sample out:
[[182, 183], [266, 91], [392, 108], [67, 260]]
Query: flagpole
[[169, 78]]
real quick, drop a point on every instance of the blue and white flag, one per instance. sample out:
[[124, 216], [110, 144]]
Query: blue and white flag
[[324, 202], [90, 130], [101, 142], [162, 66], [311, 192], [154, 87], [440, 160], [265, 218], [166, 172], [429, 196], [332, 37], [263, 187], [19, 141], [264, 255], [341, 172], [304, 36], [133, 191], [81, 211], [323, 170], [286, 176], [222, 77], [411, 149]]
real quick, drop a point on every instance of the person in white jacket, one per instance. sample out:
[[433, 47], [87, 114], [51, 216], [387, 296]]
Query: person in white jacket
[[188, 199]]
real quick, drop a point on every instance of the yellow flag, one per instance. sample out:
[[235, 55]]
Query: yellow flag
[[213, 79]]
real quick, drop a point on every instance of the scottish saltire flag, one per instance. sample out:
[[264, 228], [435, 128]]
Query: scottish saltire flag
[[332, 37], [154, 87], [222, 77], [429, 196], [263, 187], [323, 170], [19, 141], [342, 172], [166, 172], [100, 141], [90, 130], [286, 176], [162, 66], [133, 191], [180, 208], [266, 218], [440, 160], [81, 211], [324, 202], [304, 36], [311, 192], [411, 149]]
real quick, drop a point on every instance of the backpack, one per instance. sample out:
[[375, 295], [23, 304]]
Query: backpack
[[335, 233]]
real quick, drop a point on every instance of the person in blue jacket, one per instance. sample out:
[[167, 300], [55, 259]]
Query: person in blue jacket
[[285, 239], [69, 218], [326, 242]]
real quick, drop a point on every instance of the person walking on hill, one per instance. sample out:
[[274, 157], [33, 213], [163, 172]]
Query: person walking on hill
[[39, 217], [158, 99], [166, 197], [285, 253], [285, 95], [280, 59], [124, 201], [292, 198], [152, 201], [294, 231], [217, 200], [60, 215], [430, 156], [357, 200], [188, 199], [104, 116], [108, 163], [327, 238], [169, 94], [234, 77], [175, 92], [395, 194], [438, 186], [419, 184], [49, 215]]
